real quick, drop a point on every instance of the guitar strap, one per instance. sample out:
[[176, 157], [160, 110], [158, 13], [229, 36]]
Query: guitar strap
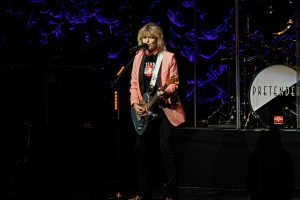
[[156, 70]]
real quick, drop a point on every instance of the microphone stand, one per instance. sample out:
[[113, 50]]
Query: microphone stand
[[115, 86], [121, 72]]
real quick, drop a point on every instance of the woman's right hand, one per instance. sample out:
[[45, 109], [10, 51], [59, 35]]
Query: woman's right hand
[[140, 109]]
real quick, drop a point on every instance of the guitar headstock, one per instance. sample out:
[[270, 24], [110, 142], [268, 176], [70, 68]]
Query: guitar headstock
[[173, 79]]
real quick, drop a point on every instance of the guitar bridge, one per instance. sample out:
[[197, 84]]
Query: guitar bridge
[[151, 116]]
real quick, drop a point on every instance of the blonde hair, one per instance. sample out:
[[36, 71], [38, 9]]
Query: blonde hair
[[153, 30]]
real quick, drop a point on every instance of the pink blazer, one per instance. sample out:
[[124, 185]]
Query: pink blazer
[[174, 111]]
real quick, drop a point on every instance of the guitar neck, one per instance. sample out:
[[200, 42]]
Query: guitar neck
[[152, 101], [155, 98]]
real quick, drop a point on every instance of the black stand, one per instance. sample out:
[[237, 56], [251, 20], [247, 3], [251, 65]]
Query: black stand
[[115, 86]]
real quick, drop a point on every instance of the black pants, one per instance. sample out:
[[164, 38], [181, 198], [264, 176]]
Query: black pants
[[158, 129]]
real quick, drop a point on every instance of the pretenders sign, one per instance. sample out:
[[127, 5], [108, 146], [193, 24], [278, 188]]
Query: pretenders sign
[[273, 81]]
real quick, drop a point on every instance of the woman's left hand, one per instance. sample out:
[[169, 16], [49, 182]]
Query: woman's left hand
[[169, 90]]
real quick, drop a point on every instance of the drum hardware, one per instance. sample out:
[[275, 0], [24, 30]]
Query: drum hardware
[[225, 113], [248, 119], [251, 121], [281, 50], [290, 116], [287, 110], [221, 114], [232, 112], [248, 59]]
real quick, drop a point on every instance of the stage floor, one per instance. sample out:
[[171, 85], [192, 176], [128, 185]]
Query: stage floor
[[213, 163], [117, 190]]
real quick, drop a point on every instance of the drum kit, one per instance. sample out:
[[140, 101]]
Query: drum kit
[[267, 67], [267, 83]]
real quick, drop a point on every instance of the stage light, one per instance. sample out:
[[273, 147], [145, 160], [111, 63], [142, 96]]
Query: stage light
[[116, 100]]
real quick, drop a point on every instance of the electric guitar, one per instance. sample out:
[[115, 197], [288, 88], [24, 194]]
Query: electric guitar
[[140, 122]]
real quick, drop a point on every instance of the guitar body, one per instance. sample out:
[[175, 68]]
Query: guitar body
[[140, 123]]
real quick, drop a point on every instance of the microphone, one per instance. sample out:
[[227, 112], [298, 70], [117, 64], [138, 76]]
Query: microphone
[[138, 47]]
